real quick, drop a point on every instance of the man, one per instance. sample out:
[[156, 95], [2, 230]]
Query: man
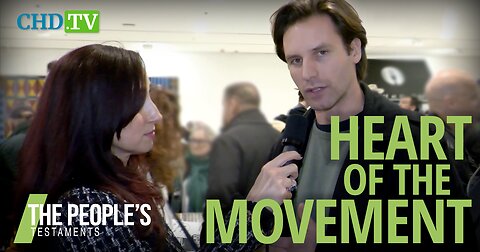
[[455, 92], [409, 103], [323, 44], [241, 149]]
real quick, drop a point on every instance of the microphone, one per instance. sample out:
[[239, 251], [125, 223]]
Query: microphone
[[294, 136], [293, 139]]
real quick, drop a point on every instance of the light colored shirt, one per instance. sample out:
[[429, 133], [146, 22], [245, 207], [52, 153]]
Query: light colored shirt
[[319, 173]]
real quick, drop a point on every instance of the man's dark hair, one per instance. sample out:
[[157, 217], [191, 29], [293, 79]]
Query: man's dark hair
[[343, 15], [415, 102]]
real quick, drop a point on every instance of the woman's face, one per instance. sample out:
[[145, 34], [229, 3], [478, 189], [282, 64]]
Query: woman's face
[[138, 136], [199, 143]]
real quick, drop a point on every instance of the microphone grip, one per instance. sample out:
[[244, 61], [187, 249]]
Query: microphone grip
[[285, 149], [286, 230], [288, 148]]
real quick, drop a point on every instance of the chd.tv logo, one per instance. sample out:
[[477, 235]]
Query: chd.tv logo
[[73, 21]]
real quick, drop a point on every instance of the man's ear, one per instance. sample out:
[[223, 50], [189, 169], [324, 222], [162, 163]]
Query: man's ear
[[356, 50], [234, 105]]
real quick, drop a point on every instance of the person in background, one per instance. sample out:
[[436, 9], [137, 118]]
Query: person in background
[[279, 122], [166, 159], [301, 107], [197, 158], [453, 92], [242, 147], [409, 103], [21, 117]]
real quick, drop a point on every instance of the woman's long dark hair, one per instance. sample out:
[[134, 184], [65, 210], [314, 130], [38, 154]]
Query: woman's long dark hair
[[89, 96]]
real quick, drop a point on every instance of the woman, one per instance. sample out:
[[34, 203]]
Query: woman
[[94, 119], [197, 157]]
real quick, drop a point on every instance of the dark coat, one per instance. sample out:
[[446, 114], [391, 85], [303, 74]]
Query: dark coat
[[237, 156]]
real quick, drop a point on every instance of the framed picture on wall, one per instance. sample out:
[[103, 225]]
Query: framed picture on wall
[[17, 92], [23, 91], [169, 83]]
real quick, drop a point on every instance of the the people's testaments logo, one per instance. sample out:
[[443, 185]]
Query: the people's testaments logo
[[42, 219]]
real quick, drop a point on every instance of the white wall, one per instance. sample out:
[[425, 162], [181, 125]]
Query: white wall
[[203, 76]]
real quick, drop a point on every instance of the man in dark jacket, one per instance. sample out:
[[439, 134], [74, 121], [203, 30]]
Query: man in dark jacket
[[323, 44], [242, 148], [455, 92]]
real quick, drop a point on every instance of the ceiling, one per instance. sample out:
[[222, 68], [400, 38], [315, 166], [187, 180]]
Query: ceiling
[[408, 27]]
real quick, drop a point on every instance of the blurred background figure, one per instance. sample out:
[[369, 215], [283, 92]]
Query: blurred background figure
[[279, 122], [454, 92], [242, 148], [20, 120], [299, 109], [166, 159], [197, 158], [409, 103]]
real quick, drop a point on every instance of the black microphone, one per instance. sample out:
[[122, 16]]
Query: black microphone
[[293, 139], [294, 136]]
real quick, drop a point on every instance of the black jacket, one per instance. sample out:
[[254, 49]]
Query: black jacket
[[377, 105]]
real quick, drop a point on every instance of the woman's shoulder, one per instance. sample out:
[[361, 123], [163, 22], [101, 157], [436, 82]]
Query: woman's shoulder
[[87, 195]]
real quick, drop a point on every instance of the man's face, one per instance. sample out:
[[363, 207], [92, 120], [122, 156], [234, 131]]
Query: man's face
[[319, 63]]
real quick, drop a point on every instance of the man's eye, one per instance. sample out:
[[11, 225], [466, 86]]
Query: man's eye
[[322, 52], [295, 61]]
